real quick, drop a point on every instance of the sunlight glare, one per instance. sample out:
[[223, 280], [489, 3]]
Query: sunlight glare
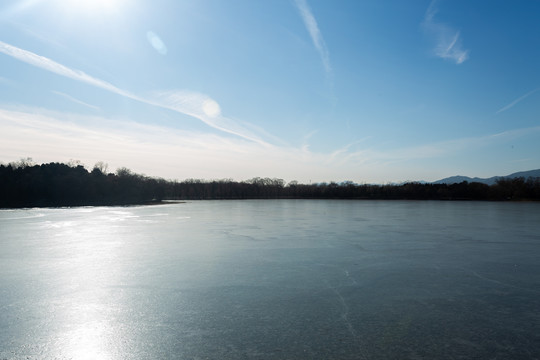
[[95, 6], [156, 42], [211, 108]]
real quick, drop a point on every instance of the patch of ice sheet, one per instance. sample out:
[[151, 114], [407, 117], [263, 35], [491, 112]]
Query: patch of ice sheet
[[85, 209], [118, 215], [33, 216], [118, 212], [57, 224]]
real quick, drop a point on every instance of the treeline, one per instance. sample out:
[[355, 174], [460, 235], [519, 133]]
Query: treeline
[[24, 184], [56, 184], [514, 189]]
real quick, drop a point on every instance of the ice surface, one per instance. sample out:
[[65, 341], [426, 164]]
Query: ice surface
[[272, 279]]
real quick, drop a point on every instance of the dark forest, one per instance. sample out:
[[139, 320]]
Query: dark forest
[[23, 184]]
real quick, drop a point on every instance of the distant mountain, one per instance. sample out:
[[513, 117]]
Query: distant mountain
[[488, 181]]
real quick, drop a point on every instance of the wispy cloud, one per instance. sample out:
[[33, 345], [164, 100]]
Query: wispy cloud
[[156, 150], [443, 149], [202, 107], [186, 102], [77, 101], [448, 44], [4, 81], [516, 101], [52, 66], [314, 32]]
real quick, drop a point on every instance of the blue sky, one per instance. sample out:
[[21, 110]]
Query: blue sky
[[308, 90]]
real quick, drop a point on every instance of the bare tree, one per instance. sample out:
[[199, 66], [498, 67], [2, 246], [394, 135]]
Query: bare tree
[[74, 163], [102, 167], [23, 163]]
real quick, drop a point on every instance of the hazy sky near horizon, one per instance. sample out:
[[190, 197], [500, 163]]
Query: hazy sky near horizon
[[309, 90]]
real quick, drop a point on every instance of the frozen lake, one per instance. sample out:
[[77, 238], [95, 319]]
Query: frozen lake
[[272, 279]]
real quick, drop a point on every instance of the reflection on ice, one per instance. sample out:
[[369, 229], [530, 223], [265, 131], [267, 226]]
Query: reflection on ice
[[158, 214], [117, 212], [89, 341], [57, 224], [21, 217]]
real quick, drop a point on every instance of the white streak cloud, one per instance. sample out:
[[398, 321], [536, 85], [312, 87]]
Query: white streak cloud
[[516, 101], [443, 149], [186, 102], [52, 66], [77, 101], [202, 107], [314, 32], [48, 136], [448, 44], [155, 150]]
